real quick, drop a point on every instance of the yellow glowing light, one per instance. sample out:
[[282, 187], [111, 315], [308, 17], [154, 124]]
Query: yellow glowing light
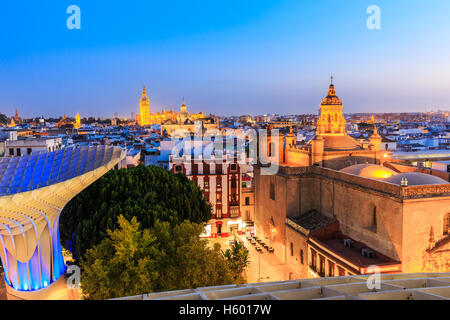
[[382, 174], [385, 155], [274, 230]]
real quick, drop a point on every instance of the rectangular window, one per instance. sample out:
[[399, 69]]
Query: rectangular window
[[234, 212], [218, 213], [322, 266], [219, 182], [341, 271], [178, 169], [247, 201], [330, 269], [206, 168], [11, 151], [233, 183], [447, 224], [195, 169], [272, 149], [218, 168], [313, 259], [272, 190], [206, 184], [233, 167], [292, 249], [301, 256], [219, 198], [19, 153], [29, 151]]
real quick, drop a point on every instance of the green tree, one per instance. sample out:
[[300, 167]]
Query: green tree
[[185, 260], [148, 193], [132, 261], [121, 265], [237, 259]]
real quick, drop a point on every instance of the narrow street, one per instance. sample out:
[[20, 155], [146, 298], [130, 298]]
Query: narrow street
[[263, 267]]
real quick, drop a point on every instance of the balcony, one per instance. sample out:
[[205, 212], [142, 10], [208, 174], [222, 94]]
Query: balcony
[[234, 211]]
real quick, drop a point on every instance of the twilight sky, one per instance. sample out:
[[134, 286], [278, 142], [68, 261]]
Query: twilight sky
[[228, 57]]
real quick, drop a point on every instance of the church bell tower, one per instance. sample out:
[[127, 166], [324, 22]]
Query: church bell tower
[[331, 119]]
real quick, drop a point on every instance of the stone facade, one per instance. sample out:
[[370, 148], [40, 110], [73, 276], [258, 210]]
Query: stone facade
[[384, 223], [391, 219]]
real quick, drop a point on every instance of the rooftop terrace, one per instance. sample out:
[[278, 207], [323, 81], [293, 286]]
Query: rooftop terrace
[[416, 286]]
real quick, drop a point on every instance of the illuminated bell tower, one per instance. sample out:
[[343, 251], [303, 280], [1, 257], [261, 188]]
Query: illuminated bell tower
[[184, 114], [16, 117], [331, 119], [77, 121], [145, 109], [375, 140]]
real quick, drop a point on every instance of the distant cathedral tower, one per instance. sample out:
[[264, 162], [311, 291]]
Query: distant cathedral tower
[[145, 109], [183, 114], [331, 119], [14, 120], [16, 117], [77, 121], [12, 124]]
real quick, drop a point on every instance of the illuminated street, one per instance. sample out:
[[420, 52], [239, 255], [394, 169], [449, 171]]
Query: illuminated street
[[270, 266]]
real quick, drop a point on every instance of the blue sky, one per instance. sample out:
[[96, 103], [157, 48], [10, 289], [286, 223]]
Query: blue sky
[[224, 56]]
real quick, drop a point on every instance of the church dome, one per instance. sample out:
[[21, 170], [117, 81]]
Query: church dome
[[341, 142], [331, 98], [416, 179], [370, 171]]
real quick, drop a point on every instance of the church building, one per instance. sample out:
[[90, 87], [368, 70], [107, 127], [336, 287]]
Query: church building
[[331, 146], [336, 207]]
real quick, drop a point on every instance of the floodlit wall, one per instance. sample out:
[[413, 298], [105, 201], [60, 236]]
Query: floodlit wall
[[410, 221]]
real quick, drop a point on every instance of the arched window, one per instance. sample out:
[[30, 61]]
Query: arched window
[[447, 223]]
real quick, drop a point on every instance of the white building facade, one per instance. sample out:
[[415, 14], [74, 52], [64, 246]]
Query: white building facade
[[31, 146]]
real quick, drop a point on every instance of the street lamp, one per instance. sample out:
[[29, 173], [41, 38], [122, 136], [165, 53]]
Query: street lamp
[[259, 266]]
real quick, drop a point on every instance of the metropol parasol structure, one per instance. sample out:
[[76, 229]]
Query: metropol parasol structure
[[33, 191]]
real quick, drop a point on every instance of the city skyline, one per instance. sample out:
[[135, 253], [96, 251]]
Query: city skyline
[[225, 150], [225, 58]]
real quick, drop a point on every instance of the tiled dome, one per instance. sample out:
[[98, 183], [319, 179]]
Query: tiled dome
[[370, 171], [416, 179]]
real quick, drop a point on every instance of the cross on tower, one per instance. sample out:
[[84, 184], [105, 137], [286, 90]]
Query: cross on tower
[[332, 78]]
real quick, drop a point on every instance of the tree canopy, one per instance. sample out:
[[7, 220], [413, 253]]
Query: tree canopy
[[132, 261], [237, 258], [147, 193]]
